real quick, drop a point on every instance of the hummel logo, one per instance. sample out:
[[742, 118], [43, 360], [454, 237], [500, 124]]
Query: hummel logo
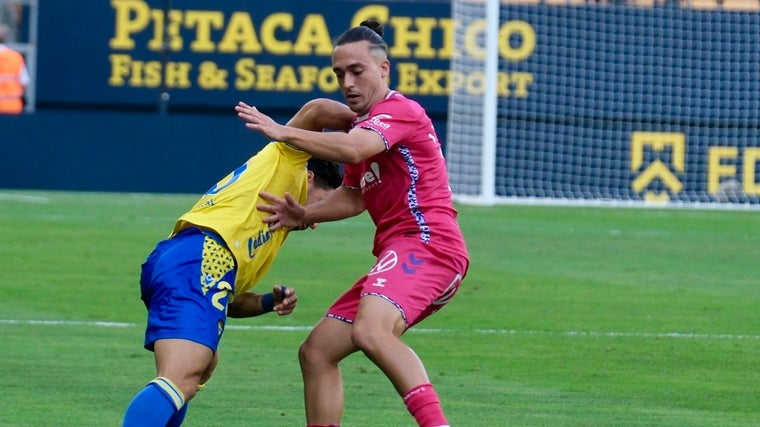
[[413, 261]]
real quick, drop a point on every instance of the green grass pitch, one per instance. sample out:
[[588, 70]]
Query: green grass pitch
[[569, 317]]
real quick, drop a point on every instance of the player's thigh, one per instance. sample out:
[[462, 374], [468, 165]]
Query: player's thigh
[[378, 316]]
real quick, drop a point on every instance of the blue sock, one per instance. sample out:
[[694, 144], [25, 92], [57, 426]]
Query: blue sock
[[155, 405], [178, 417]]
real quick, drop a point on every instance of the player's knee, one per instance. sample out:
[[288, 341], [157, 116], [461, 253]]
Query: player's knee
[[310, 355], [190, 387], [190, 392], [184, 386], [187, 383], [319, 355], [368, 337]]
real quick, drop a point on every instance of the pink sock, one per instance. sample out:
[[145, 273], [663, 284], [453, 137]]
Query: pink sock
[[423, 403]]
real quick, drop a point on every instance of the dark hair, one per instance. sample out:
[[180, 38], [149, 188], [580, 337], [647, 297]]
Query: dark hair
[[326, 174], [370, 30]]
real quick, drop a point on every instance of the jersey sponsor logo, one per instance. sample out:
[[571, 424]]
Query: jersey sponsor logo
[[378, 120], [371, 178], [256, 242], [380, 282], [385, 263], [206, 204]]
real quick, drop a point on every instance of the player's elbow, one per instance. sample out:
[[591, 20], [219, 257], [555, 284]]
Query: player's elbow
[[353, 155], [323, 113], [354, 148]]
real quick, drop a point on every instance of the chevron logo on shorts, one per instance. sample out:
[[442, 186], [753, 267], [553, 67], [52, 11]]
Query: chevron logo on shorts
[[413, 261]]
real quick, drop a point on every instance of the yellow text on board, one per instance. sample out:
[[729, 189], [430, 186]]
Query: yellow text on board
[[214, 33]]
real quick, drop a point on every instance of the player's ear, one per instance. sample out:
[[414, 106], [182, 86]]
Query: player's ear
[[385, 69], [310, 176]]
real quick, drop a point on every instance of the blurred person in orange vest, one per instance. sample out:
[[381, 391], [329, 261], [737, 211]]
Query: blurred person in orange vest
[[13, 77]]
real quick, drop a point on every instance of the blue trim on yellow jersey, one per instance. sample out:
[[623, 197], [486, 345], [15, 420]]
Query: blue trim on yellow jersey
[[229, 208]]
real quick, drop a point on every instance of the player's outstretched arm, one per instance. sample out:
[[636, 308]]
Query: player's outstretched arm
[[341, 203], [352, 147], [322, 113], [282, 301]]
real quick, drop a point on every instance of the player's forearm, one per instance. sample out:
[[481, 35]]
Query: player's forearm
[[248, 304], [342, 203], [333, 146], [315, 116]]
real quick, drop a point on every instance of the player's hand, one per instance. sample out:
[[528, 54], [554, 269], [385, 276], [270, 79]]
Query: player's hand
[[285, 299], [258, 121], [285, 212], [305, 226]]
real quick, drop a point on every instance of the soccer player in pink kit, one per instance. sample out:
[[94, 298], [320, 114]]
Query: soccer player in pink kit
[[395, 170]]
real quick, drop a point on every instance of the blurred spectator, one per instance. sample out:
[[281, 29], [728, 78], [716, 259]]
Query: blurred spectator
[[11, 14], [13, 77]]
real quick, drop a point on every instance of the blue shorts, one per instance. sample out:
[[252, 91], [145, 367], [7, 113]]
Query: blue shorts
[[186, 284]]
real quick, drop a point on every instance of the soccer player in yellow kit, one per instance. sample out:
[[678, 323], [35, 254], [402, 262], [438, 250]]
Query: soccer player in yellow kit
[[216, 252]]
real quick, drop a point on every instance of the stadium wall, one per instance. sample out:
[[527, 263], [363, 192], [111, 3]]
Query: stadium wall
[[126, 103]]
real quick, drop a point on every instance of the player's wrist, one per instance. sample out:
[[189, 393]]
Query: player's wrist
[[267, 303], [268, 300]]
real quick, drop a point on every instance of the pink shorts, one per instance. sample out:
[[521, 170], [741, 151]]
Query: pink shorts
[[409, 274]]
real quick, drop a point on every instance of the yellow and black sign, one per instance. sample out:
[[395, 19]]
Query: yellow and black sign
[[271, 50]]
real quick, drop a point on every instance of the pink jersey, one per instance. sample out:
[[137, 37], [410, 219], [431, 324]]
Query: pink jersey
[[406, 189]]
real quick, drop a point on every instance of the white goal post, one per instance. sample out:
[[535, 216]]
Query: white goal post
[[644, 103]]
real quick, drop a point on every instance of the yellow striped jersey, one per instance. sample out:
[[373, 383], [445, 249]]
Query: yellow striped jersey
[[229, 209]]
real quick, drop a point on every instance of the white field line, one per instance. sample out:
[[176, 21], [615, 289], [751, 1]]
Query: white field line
[[26, 198], [609, 334]]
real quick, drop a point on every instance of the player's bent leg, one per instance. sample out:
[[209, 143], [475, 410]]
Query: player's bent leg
[[179, 417], [377, 330], [179, 365], [184, 362], [327, 344]]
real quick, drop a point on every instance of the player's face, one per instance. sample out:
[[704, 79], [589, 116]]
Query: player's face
[[361, 74]]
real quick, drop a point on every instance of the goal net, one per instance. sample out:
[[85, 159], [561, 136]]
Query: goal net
[[636, 103]]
